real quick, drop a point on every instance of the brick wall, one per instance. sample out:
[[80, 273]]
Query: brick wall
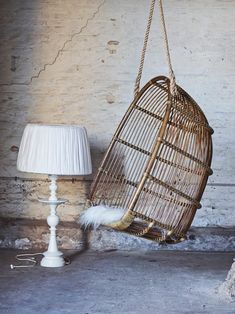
[[76, 61]]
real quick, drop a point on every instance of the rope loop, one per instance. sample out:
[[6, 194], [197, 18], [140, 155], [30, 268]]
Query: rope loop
[[173, 86]]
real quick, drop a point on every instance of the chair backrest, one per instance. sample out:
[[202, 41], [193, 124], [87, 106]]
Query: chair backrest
[[158, 161]]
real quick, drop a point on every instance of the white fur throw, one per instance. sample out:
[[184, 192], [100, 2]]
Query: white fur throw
[[100, 215]]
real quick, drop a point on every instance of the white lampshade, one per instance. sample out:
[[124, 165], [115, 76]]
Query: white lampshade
[[54, 149]]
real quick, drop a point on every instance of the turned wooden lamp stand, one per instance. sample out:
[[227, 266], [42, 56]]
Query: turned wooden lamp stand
[[53, 257]]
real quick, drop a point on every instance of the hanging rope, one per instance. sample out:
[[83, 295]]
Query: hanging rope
[[146, 37], [173, 88]]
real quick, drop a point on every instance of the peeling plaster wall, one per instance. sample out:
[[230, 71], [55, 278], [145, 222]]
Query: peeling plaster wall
[[76, 61]]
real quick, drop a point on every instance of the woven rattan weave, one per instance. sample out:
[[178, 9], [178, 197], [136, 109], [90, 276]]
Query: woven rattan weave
[[158, 162]]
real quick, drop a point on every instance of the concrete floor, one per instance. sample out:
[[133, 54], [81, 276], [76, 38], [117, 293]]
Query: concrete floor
[[116, 282]]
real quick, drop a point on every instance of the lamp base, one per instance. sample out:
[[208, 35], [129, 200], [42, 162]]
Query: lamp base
[[52, 259]]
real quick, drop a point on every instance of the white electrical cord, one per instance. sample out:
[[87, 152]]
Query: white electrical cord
[[31, 258], [23, 257]]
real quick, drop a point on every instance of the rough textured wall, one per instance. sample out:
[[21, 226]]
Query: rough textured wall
[[76, 61]]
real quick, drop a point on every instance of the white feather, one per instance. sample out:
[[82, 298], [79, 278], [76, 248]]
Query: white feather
[[100, 215]]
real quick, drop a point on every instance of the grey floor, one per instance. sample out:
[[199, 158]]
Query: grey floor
[[115, 282]]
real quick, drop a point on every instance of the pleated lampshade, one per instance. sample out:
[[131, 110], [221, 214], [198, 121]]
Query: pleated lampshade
[[54, 149]]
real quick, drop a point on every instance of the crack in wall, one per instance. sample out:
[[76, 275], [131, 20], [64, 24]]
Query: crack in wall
[[59, 51]]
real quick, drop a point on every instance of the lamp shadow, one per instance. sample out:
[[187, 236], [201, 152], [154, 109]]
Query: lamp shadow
[[85, 232], [84, 246]]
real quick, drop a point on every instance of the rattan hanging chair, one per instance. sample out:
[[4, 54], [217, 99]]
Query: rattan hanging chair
[[158, 162]]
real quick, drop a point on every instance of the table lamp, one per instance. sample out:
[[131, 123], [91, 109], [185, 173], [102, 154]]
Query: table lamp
[[55, 150]]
